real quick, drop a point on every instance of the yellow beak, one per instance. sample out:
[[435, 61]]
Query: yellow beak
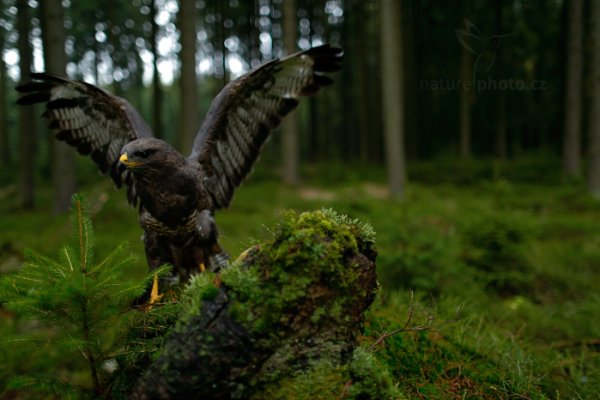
[[130, 164]]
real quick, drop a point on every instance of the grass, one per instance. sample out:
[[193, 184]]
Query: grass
[[505, 275]]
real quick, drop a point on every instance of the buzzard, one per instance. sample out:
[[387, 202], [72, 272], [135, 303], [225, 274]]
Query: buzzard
[[176, 195]]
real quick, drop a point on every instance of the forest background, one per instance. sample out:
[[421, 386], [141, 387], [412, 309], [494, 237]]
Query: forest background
[[467, 133]]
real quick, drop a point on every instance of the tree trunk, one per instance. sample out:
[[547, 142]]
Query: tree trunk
[[187, 81], [157, 124], [220, 20], [113, 43], [572, 127], [466, 68], [5, 156], [501, 127], [411, 81], [393, 95], [290, 148], [501, 123], [594, 110], [27, 137], [361, 84], [350, 93], [55, 60]]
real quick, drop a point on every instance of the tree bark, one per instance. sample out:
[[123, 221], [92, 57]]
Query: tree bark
[[573, 103], [187, 81], [393, 95], [594, 110], [27, 145], [55, 60], [290, 148]]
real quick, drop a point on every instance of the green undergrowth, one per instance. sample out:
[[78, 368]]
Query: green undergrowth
[[79, 305], [520, 260], [444, 350]]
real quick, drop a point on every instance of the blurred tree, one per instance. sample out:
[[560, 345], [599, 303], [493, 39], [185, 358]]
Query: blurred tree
[[350, 93], [594, 110], [27, 135], [113, 15], [86, 38], [501, 123], [290, 148], [55, 61], [466, 80], [572, 122], [5, 157], [188, 124], [357, 119], [393, 94], [410, 80], [120, 26], [157, 97], [220, 18]]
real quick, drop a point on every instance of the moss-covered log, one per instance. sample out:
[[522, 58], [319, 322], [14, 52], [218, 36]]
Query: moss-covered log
[[286, 310]]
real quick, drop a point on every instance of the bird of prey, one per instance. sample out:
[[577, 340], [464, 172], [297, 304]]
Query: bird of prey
[[177, 195]]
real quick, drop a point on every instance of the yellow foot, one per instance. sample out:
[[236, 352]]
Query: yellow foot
[[201, 267], [245, 253], [154, 296]]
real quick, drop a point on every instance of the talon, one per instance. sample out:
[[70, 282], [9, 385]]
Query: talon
[[245, 254], [201, 267], [154, 296]]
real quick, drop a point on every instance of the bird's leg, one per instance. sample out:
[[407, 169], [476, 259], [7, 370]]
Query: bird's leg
[[201, 267], [154, 296]]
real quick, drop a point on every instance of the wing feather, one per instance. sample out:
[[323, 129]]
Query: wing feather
[[88, 118], [242, 116]]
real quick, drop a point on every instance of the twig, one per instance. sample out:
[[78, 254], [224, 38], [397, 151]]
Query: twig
[[405, 328]]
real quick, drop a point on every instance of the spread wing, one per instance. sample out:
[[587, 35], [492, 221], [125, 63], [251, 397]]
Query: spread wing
[[241, 117], [93, 121]]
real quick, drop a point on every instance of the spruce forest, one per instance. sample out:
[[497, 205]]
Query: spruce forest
[[427, 226]]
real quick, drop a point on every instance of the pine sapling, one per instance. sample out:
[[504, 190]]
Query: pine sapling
[[82, 305]]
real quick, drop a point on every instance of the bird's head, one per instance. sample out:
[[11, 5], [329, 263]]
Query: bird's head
[[149, 154]]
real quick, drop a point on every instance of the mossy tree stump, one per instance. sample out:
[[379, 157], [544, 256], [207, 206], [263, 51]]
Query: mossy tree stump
[[286, 309]]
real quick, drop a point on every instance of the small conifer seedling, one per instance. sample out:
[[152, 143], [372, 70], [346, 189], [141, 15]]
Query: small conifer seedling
[[80, 306]]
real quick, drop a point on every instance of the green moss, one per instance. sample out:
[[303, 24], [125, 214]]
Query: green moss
[[200, 288], [370, 378], [307, 253], [362, 230], [322, 381], [363, 378]]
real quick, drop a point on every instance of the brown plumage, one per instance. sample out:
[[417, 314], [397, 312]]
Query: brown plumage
[[177, 196]]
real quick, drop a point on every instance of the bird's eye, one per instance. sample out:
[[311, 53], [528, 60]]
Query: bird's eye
[[144, 153]]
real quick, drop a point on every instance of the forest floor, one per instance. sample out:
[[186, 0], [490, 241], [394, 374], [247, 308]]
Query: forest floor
[[496, 284]]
